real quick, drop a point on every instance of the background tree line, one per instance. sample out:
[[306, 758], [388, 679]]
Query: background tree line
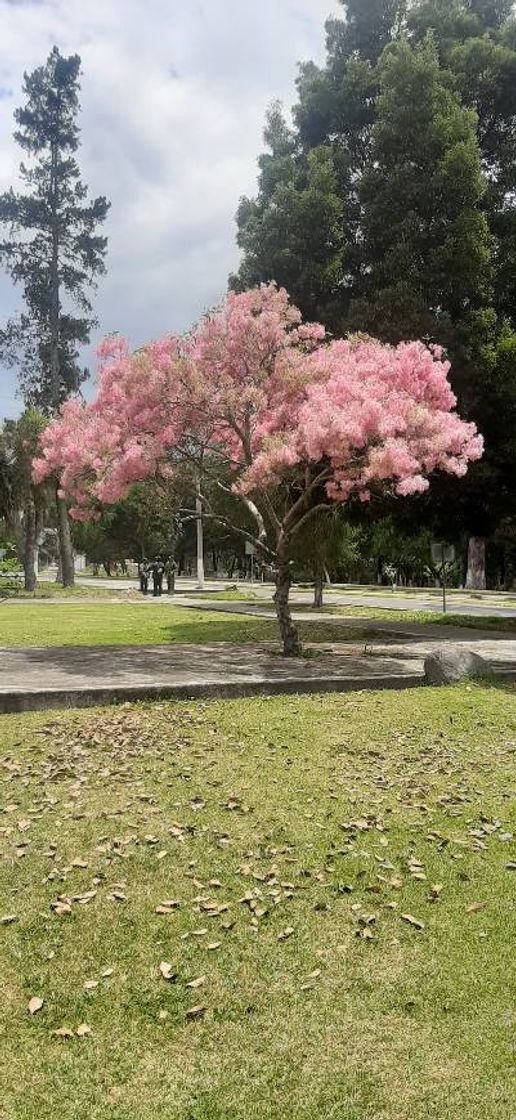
[[388, 205]]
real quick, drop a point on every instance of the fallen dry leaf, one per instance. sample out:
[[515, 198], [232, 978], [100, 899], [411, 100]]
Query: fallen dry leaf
[[286, 933], [62, 1032], [196, 1012], [90, 985], [415, 922], [83, 1030], [61, 908], [167, 970], [474, 907], [34, 1004], [197, 983], [6, 919]]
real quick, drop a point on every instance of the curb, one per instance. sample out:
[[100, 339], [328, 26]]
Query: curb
[[43, 699]]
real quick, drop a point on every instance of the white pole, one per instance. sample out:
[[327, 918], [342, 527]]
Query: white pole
[[200, 534]]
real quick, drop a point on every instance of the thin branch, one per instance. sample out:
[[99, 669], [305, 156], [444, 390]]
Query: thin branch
[[228, 525], [302, 500], [309, 513]]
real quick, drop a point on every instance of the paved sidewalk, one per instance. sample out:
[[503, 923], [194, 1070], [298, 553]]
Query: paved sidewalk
[[478, 604], [78, 676], [382, 624]]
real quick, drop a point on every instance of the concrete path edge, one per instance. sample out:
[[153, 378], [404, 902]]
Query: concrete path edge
[[48, 699], [34, 700]]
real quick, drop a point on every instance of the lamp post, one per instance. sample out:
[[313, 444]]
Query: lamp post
[[199, 534]]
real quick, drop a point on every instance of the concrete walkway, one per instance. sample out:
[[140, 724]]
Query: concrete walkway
[[78, 676], [502, 604], [381, 625]]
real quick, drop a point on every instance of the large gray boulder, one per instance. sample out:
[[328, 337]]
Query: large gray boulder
[[451, 663]]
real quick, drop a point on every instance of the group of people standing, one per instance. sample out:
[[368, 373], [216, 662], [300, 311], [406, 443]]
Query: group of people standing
[[155, 571]]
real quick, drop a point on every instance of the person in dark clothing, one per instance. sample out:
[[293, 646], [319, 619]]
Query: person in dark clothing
[[158, 569], [143, 576]]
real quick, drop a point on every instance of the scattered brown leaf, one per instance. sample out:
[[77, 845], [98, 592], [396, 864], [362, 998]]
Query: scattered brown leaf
[[415, 922], [167, 970], [62, 1032], [197, 983], [196, 1012], [34, 1004]]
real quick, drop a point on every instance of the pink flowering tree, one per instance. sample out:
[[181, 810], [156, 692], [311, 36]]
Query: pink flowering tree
[[266, 412]]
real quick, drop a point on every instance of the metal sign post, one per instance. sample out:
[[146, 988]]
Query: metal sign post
[[442, 554]]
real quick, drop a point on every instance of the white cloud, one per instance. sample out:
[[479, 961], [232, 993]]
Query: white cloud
[[174, 94]]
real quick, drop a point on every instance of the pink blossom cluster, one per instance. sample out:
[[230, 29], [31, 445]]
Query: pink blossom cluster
[[266, 394]]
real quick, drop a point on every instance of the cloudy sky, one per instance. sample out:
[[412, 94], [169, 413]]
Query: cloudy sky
[[174, 94]]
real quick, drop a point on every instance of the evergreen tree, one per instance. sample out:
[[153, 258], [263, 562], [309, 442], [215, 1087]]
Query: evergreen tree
[[476, 41], [417, 105], [292, 232], [53, 250], [426, 244]]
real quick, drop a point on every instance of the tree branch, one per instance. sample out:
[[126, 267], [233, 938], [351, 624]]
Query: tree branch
[[306, 516], [228, 525], [302, 500]]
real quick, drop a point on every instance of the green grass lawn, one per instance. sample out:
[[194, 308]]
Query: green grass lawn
[[425, 618], [125, 623], [30, 624], [46, 590], [337, 919], [230, 595]]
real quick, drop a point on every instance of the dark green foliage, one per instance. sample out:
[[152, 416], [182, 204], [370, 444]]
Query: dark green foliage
[[293, 232], [142, 525], [426, 244], [415, 110]]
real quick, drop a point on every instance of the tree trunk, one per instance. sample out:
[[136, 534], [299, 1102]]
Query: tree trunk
[[55, 309], [318, 584], [291, 645], [65, 544], [476, 574], [30, 546], [199, 533]]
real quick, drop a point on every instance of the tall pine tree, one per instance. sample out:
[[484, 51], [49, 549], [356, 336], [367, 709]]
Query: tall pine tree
[[426, 246], [53, 250]]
